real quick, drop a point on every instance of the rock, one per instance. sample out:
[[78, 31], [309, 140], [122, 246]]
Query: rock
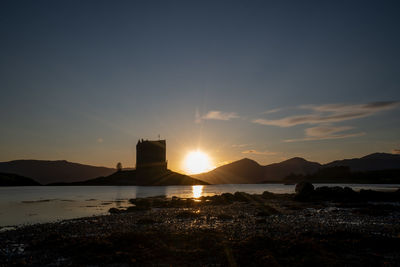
[[114, 211], [336, 193], [304, 189], [268, 195], [228, 197], [242, 197], [266, 210]]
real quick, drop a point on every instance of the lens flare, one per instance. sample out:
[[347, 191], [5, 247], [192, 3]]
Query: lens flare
[[197, 162]]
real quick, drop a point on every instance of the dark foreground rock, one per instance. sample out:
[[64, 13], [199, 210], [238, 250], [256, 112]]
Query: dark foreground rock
[[227, 230], [305, 192]]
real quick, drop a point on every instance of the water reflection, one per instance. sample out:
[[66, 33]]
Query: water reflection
[[197, 190], [41, 204]]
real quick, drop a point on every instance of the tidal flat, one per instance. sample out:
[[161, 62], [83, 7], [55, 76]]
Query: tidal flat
[[340, 227]]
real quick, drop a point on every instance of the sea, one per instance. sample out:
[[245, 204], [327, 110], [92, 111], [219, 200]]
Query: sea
[[41, 204]]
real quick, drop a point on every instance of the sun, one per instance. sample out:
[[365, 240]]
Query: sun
[[197, 162]]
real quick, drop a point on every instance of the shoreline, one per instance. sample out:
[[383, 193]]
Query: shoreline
[[71, 205], [228, 229]]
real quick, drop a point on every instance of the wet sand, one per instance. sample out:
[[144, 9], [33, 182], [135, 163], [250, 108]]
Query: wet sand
[[227, 230]]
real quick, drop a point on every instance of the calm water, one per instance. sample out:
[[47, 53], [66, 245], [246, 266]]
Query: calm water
[[26, 205]]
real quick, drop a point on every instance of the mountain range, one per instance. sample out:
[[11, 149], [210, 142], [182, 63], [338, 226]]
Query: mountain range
[[372, 162], [238, 172], [47, 171], [249, 171]]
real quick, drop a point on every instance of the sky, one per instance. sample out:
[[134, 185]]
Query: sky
[[268, 80]]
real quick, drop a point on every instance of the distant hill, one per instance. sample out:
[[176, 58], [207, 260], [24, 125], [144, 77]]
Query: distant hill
[[278, 171], [246, 171], [373, 168], [243, 171], [45, 172], [239, 172], [141, 178], [10, 179], [342, 174], [372, 162]]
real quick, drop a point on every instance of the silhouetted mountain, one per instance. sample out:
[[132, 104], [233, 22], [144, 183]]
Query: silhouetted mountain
[[278, 171], [10, 179], [342, 174], [238, 172], [243, 171], [46, 172], [246, 171], [372, 162], [142, 178]]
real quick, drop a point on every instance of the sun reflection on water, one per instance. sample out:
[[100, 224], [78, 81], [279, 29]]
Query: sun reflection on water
[[197, 190]]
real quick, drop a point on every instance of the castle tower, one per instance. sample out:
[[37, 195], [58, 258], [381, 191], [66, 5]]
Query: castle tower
[[151, 155]]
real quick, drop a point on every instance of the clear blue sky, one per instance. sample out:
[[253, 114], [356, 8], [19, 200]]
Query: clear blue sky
[[268, 80]]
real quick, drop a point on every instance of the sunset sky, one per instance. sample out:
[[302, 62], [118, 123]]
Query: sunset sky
[[267, 80]]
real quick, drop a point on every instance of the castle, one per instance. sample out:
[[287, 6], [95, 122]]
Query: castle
[[151, 155]]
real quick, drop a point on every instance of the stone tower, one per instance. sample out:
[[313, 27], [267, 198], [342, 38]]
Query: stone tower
[[151, 155]]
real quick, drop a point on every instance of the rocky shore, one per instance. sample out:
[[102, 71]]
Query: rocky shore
[[226, 230]]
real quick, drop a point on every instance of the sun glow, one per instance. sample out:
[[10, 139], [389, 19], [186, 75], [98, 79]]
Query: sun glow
[[197, 162]]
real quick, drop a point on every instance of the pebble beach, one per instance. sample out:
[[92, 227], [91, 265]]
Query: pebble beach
[[228, 230]]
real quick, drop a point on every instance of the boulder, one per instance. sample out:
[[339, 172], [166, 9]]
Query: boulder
[[304, 189]]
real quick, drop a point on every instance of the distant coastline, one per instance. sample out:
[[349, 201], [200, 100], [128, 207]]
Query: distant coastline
[[376, 168]]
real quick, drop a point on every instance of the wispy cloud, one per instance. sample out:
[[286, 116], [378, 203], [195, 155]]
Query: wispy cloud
[[330, 113], [325, 132], [217, 115], [396, 151], [272, 111], [256, 152], [240, 145], [369, 107]]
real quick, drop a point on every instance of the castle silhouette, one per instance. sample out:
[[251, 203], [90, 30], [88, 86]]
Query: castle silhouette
[[151, 169], [151, 155]]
